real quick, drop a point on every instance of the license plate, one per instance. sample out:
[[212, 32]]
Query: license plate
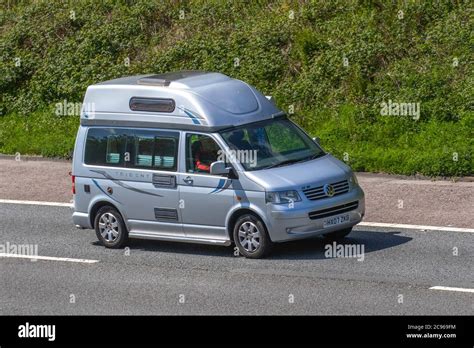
[[335, 220]]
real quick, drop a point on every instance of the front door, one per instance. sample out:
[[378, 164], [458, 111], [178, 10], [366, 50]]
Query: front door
[[205, 199]]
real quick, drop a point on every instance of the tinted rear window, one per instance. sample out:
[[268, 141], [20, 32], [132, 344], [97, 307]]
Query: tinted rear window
[[132, 148]]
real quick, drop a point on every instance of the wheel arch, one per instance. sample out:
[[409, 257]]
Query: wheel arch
[[99, 204], [236, 214]]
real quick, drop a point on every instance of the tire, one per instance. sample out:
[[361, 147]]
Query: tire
[[114, 235], [251, 237], [336, 235]]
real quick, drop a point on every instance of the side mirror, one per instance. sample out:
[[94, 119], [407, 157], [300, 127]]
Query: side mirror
[[219, 168], [316, 140]]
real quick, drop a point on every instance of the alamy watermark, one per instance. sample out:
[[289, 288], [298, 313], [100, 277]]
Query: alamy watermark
[[243, 156], [335, 250], [400, 109], [37, 331], [67, 108], [19, 249]]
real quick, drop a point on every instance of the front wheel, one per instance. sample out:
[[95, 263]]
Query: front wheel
[[336, 235], [110, 228], [251, 237]]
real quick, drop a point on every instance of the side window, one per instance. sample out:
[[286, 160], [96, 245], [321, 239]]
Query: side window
[[132, 148], [166, 153], [114, 149], [104, 147], [201, 151], [144, 147], [153, 150]]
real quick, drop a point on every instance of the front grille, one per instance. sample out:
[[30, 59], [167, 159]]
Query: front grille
[[318, 214], [315, 193]]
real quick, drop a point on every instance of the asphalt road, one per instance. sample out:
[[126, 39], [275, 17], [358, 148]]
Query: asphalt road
[[156, 275]]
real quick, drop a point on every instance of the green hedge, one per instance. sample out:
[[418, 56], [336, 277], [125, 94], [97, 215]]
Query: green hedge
[[333, 63]]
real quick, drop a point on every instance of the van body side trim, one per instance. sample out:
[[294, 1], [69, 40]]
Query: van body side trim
[[141, 124], [158, 236]]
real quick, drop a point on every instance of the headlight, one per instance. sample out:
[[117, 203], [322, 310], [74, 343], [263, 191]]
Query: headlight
[[282, 197], [353, 180]]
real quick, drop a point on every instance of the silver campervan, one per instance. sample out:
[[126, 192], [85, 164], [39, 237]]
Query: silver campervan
[[200, 157]]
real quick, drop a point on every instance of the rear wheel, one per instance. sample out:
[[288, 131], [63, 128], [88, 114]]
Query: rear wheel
[[251, 237], [110, 228], [336, 235]]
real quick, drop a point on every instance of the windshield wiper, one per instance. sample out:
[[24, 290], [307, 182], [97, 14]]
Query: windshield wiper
[[279, 164], [304, 159], [312, 157]]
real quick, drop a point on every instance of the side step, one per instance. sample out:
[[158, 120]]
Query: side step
[[167, 237]]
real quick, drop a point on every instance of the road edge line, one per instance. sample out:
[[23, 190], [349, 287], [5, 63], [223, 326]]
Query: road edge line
[[449, 288], [53, 204], [48, 258], [416, 227]]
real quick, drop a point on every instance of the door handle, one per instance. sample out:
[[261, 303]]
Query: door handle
[[188, 180]]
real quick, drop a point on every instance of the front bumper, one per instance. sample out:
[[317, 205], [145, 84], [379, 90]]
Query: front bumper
[[285, 223]]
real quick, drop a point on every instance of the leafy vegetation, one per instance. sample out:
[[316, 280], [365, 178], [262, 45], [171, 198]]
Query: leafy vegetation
[[329, 64]]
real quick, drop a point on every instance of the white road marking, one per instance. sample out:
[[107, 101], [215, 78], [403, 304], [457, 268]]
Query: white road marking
[[48, 258], [416, 227], [53, 204], [364, 223], [447, 288]]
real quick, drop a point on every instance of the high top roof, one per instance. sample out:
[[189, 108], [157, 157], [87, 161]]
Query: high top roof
[[197, 99]]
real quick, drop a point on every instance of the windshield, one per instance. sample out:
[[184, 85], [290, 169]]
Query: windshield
[[270, 144]]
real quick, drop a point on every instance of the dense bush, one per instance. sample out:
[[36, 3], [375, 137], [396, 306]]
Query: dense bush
[[332, 62]]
